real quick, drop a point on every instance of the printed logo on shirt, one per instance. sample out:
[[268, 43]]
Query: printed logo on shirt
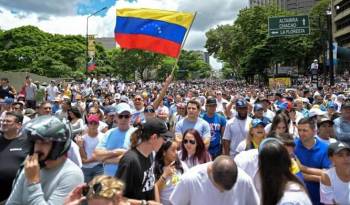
[[15, 149], [148, 179]]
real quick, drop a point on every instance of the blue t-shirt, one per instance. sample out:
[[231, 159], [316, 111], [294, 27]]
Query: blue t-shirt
[[216, 123], [316, 157], [200, 125], [115, 139]]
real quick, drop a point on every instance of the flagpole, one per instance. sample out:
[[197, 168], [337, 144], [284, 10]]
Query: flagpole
[[183, 43]]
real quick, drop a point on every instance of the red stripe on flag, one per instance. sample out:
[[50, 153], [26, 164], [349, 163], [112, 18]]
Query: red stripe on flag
[[145, 42]]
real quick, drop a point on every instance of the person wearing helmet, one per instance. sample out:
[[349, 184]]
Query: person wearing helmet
[[48, 176]]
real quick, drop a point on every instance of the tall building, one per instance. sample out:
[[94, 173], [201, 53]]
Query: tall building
[[341, 22], [298, 6]]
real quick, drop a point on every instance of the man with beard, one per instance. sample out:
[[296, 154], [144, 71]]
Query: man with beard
[[48, 176], [13, 150], [236, 129]]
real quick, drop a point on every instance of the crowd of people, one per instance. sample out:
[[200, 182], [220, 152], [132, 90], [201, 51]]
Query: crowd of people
[[104, 141]]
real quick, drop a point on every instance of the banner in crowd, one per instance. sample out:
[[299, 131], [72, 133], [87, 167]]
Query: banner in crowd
[[280, 82], [153, 30], [91, 53]]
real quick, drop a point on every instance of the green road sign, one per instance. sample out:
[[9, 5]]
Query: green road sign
[[288, 26]]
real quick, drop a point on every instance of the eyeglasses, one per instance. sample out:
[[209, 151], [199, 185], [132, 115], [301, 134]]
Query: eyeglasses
[[123, 116], [149, 110], [138, 99], [189, 141]]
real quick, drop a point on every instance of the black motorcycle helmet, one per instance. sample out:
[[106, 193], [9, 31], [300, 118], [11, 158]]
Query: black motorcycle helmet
[[49, 128]]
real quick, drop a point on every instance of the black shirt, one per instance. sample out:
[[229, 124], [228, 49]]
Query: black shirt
[[12, 154], [5, 92], [136, 171]]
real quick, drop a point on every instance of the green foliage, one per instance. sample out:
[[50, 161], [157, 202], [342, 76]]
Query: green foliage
[[192, 65], [246, 48], [53, 55]]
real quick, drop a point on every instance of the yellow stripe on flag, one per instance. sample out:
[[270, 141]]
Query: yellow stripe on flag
[[180, 18]]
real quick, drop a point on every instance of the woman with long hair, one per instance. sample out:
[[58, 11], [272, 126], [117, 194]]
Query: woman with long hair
[[278, 184], [76, 121], [279, 125], [255, 135], [193, 150], [167, 170], [136, 165]]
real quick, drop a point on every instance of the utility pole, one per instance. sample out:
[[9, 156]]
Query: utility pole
[[87, 37], [330, 47]]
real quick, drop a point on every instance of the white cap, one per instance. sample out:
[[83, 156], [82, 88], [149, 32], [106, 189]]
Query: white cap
[[123, 107], [316, 111]]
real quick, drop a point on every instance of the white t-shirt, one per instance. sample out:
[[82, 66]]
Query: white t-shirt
[[269, 114], [236, 131], [249, 162], [74, 154], [52, 92], [195, 188], [294, 195], [90, 144], [338, 192]]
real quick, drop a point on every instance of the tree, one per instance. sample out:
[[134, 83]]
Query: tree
[[246, 47], [192, 65]]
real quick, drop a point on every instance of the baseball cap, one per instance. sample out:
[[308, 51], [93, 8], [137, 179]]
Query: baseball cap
[[124, 98], [316, 111], [110, 110], [93, 118], [211, 101], [241, 103], [323, 120], [257, 122], [157, 126], [117, 96], [123, 107], [258, 107], [336, 147], [332, 105]]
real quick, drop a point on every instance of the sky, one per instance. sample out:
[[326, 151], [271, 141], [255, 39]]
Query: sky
[[69, 16]]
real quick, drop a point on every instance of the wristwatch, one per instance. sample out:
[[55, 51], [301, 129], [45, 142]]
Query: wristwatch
[[144, 202]]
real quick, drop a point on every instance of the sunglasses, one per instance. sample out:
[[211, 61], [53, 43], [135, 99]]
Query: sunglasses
[[149, 110], [123, 116], [95, 189], [47, 108], [189, 141], [138, 99]]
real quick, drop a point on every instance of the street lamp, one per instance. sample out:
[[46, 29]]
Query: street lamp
[[87, 34], [330, 46]]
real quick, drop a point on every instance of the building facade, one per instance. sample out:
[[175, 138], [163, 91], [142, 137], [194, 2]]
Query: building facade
[[298, 6], [341, 22]]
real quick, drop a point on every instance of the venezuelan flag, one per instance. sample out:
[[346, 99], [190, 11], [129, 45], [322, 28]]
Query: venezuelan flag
[[153, 30]]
